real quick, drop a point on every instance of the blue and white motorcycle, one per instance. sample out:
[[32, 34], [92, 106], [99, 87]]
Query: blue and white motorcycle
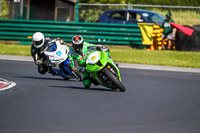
[[57, 53]]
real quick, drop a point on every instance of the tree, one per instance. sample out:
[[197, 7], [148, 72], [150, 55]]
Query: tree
[[4, 9]]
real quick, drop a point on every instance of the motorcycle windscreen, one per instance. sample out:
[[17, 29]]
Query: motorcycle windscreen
[[52, 47]]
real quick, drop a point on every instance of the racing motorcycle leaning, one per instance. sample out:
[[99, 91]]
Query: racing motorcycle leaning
[[103, 70], [57, 53]]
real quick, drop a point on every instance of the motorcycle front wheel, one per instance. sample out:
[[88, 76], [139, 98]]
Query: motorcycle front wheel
[[115, 80]]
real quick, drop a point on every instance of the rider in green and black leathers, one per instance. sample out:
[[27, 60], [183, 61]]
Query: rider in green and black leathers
[[78, 51]]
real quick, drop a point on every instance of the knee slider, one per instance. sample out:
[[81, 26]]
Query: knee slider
[[86, 82]]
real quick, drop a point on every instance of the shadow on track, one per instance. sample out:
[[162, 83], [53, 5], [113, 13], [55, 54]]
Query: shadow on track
[[43, 78], [83, 88]]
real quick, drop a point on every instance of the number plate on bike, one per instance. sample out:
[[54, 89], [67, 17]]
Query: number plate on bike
[[94, 57]]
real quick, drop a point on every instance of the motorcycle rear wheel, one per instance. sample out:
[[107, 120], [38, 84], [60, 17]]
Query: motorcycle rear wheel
[[115, 80]]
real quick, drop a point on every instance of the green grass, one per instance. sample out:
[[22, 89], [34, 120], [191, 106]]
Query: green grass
[[183, 17], [13, 49], [165, 58], [128, 55]]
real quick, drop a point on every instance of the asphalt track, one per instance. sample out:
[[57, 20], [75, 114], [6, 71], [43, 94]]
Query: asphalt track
[[155, 102]]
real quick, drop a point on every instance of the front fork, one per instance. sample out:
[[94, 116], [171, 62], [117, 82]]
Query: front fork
[[66, 67]]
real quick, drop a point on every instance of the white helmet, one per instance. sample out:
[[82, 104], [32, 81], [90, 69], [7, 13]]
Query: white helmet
[[38, 39]]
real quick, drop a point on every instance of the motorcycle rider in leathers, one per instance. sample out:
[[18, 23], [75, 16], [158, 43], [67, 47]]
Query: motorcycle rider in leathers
[[78, 51], [39, 43]]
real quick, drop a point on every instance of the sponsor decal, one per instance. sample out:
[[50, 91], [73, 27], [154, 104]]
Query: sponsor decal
[[84, 55], [80, 58], [94, 57], [77, 38], [58, 53]]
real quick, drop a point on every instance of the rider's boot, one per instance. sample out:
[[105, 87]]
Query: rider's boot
[[50, 70], [86, 80]]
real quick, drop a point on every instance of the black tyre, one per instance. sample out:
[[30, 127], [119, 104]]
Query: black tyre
[[114, 79], [42, 69]]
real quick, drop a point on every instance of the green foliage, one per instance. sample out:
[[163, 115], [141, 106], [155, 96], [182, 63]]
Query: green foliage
[[4, 9], [181, 16], [92, 13], [89, 15], [164, 58], [120, 54]]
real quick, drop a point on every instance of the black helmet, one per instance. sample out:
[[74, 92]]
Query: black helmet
[[77, 43]]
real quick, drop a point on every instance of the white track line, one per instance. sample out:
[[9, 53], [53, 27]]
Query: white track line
[[11, 84]]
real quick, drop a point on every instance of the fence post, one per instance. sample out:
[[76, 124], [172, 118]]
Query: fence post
[[77, 11], [129, 6], [21, 9], [199, 15]]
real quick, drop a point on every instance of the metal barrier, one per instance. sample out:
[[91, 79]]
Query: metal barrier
[[21, 31]]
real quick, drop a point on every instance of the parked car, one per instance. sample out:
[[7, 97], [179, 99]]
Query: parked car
[[130, 16]]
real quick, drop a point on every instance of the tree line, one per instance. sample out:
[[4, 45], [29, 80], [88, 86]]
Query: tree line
[[148, 2]]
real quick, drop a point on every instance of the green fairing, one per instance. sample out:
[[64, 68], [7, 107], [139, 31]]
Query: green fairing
[[99, 69], [118, 72], [93, 69]]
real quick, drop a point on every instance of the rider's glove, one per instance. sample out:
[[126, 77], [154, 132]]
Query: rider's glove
[[41, 62], [104, 49], [61, 41], [98, 48], [101, 48], [38, 62]]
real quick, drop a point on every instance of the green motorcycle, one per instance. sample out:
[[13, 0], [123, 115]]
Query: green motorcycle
[[103, 70]]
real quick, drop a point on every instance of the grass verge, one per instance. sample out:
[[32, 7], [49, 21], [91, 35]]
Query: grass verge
[[128, 55], [13, 49], [181, 16], [164, 58]]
